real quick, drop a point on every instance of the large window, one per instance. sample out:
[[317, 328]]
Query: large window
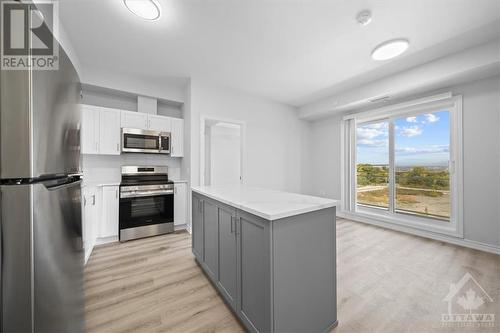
[[372, 168], [422, 159], [402, 164]]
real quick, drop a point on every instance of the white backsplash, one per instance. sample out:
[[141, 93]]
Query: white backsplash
[[107, 168]]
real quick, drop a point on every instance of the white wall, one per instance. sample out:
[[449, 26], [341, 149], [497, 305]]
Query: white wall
[[481, 134], [107, 168], [481, 107], [272, 138], [167, 88], [324, 159]]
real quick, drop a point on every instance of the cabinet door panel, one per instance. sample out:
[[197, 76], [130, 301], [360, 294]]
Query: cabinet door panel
[[211, 236], [109, 138], [180, 203], [227, 254], [90, 219], [254, 271], [177, 137], [110, 207], [159, 123], [134, 120], [197, 227]]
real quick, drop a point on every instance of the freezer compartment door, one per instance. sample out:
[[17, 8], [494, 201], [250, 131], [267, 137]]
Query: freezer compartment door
[[40, 121], [42, 254]]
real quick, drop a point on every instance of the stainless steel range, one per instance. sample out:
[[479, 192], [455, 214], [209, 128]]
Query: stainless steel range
[[146, 202]]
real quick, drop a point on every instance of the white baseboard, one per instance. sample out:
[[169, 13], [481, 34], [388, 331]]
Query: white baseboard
[[180, 227], [422, 233], [106, 240]]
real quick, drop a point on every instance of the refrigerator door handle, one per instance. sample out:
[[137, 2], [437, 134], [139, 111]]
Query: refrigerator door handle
[[68, 184]]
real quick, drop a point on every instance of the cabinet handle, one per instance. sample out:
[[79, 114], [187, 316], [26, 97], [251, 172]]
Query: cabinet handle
[[200, 205], [117, 147], [84, 201], [93, 200], [116, 194], [232, 228], [175, 190], [236, 226]]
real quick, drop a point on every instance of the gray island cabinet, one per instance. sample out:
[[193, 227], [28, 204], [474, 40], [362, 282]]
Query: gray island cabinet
[[270, 254]]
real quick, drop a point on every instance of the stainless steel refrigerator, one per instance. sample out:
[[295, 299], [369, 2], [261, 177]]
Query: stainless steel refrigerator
[[40, 218]]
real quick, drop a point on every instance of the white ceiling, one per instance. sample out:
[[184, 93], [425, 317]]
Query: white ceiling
[[292, 51]]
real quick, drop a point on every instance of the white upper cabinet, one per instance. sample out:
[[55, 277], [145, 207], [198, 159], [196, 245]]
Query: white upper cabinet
[[90, 130], [134, 120], [177, 138], [100, 132], [109, 137], [101, 129], [159, 123]]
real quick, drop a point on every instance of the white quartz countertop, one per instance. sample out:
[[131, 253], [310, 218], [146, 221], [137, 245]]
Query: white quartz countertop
[[268, 204], [179, 180]]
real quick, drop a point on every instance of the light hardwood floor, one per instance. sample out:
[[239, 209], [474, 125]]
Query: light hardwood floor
[[387, 282]]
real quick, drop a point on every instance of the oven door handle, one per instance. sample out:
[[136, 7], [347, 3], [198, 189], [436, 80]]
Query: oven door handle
[[139, 194]]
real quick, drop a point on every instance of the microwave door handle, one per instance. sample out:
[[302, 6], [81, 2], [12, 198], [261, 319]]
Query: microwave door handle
[[159, 143]]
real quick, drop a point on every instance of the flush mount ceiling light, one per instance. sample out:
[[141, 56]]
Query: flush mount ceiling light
[[390, 49], [146, 9]]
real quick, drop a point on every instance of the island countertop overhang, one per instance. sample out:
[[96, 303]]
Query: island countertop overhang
[[265, 203]]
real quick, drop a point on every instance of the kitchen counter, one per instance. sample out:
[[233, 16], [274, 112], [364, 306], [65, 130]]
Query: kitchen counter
[[268, 204], [271, 255], [86, 183]]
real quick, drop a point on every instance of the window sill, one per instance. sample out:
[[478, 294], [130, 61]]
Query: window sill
[[381, 216]]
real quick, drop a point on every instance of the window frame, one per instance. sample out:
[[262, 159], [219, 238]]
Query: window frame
[[349, 206]]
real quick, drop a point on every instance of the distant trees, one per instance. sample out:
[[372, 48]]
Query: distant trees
[[422, 177], [372, 174], [416, 177]]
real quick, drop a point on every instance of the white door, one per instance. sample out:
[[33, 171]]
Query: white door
[[110, 207], [109, 138], [180, 203], [177, 138], [159, 123], [89, 133], [134, 120], [224, 154]]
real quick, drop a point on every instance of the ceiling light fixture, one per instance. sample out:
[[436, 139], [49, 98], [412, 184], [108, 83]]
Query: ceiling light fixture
[[390, 49], [146, 9]]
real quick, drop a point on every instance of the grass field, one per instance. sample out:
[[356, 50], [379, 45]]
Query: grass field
[[435, 203]]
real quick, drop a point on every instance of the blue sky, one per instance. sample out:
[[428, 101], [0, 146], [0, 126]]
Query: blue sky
[[422, 140]]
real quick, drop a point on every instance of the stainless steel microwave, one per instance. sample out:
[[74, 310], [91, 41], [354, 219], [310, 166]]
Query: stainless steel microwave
[[145, 141]]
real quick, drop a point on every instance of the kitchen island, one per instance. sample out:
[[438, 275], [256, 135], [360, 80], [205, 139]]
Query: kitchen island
[[270, 254]]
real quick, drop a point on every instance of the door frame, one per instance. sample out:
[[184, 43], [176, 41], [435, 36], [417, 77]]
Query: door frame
[[242, 124]]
